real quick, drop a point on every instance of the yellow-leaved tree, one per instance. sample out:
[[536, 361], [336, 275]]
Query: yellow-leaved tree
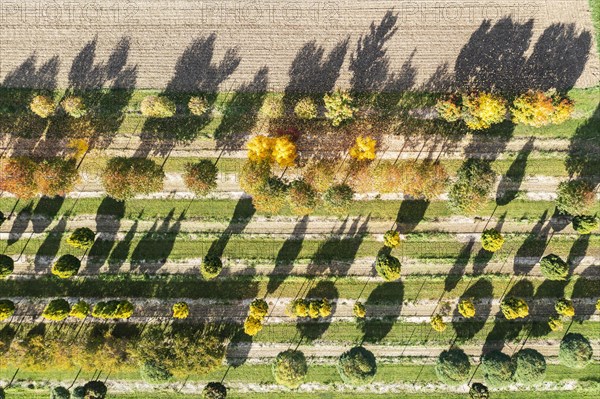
[[281, 150], [284, 151], [364, 148]]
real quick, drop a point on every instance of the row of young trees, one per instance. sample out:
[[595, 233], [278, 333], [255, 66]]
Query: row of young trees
[[59, 309]]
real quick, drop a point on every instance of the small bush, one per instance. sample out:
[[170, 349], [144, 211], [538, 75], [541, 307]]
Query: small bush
[[391, 239], [555, 324], [338, 198], [359, 310], [214, 390], [56, 176], [74, 106], [498, 368], [575, 351], [197, 106], [95, 390], [290, 368], [124, 178], [80, 310], [259, 308], [201, 177], [388, 267], [575, 197], [339, 107], [473, 185], [66, 266], [7, 266], [479, 391], [42, 106], [157, 107], [211, 267], [56, 310], [284, 151], [153, 371], [260, 148], [273, 107], [303, 198], [530, 366], [181, 310], [270, 196], [319, 174], [514, 308], [113, 310], [306, 109], [298, 308], [18, 177], [453, 367], [7, 309], [60, 393], [324, 308], [564, 307], [554, 268], [363, 149], [539, 109], [253, 175], [492, 240], [449, 109], [437, 323], [357, 366], [482, 110], [466, 308], [586, 224], [82, 238], [252, 325]]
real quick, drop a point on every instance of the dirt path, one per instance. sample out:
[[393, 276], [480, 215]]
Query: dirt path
[[300, 46]]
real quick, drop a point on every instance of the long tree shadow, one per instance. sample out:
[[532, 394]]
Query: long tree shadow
[[242, 214], [289, 251], [456, 272], [49, 248], [578, 251], [508, 330], [583, 159], [376, 328], [548, 289], [108, 221], [510, 182], [586, 292], [533, 247], [241, 112], [481, 292], [410, 214], [335, 255], [45, 211], [194, 72], [120, 252], [314, 329], [153, 250], [20, 223]]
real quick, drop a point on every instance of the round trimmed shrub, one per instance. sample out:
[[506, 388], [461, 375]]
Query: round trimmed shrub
[[474, 182], [437, 323], [123, 178], [554, 268], [252, 325], [466, 308], [273, 107], [498, 368], [339, 107], [201, 177], [357, 366], [157, 107], [80, 310], [82, 238], [555, 324], [530, 366], [181, 310], [60, 393], [211, 267], [7, 266], [302, 197], [56, 310], [575, 351], [359, 310], [42, 106], [391, 239], [564, 307], [453, 367], [514, 308], [338, 198], [197, 106], [290, 368], [586, 224], [574, 197], [95, 390], [388, 267], [214, 390], [7, 308], [492, 240], [153, 371], [113, 309], [306, 109], [479, 391], [74, 106], [66, 266], [259, 308]]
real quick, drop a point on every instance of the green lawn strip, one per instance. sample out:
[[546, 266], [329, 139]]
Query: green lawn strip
[[212, 209], [411, 288], [595, 8], [150, 246]]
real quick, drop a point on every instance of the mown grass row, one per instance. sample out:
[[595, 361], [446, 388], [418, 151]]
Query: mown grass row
[[412, 288], [411, 212]]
